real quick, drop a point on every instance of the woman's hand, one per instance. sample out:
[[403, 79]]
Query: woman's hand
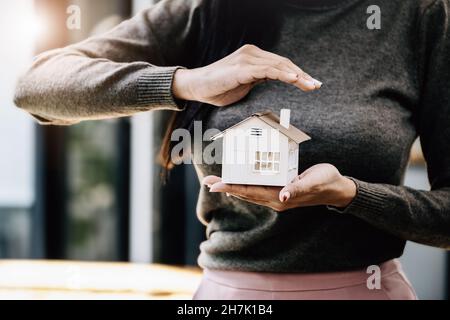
[[321, 184], [231, 79]]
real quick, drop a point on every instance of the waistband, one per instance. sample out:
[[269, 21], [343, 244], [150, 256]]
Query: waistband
[[298, 281]]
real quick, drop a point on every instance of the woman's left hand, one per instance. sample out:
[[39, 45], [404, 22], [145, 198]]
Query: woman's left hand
[[321, 184]]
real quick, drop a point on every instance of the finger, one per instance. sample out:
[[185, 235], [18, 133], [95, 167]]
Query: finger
[[220, 187], [248, 51], [300, 186], [291, 190], [257, 193], [229, 188], [307, 171], [284, 195], [305, 83], [261, 193], [287, 193], [258, 72], [279, 64], [253, 192], [210, 180], [279, 60]]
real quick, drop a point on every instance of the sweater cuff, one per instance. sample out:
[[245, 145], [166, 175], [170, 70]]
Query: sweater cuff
[[155, 89], [368, 199]]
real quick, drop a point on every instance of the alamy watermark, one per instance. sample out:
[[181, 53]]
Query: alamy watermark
[[233, 146], [374, 20], [73, 21], [374, 280]]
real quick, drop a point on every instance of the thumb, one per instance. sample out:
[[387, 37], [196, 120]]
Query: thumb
[[295, 188], [290, 191], [284, 195]]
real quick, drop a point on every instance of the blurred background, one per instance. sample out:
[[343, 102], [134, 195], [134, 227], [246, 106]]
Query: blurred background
[[92, 192]]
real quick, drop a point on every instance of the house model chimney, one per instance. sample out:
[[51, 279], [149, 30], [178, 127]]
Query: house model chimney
[[285, 118]]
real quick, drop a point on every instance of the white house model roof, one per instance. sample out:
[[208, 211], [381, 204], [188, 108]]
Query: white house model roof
[[274, 121]]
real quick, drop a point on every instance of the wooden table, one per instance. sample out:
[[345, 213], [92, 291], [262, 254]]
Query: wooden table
[[37, 280]]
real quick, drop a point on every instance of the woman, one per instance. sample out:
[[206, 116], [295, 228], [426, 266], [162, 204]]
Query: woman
[[209, 61]]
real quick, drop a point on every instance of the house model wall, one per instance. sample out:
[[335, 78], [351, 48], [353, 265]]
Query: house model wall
[[261, 150]]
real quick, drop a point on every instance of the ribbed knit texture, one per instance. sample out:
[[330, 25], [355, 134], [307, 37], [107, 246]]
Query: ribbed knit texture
[[367, 199], [155, 88]]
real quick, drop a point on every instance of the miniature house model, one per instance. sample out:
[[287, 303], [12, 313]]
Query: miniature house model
[[261, 150]]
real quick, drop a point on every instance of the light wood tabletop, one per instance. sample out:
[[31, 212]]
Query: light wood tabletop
[[41, 280]]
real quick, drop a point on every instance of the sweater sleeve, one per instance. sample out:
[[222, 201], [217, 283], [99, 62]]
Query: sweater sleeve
[[421, 216], [127, 70]]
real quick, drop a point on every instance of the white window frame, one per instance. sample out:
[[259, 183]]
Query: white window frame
[[292, 160], [267, 162]]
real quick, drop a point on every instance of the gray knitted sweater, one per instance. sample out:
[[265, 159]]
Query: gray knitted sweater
[[383, 88]]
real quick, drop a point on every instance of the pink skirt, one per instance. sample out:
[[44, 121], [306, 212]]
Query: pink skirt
[[352, 285]]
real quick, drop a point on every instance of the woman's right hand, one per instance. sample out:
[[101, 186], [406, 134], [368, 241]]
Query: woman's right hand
[[231, 78]]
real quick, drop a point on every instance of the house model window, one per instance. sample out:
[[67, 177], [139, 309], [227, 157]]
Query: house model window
[[267, 162], [292, 160], [261, 150]]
